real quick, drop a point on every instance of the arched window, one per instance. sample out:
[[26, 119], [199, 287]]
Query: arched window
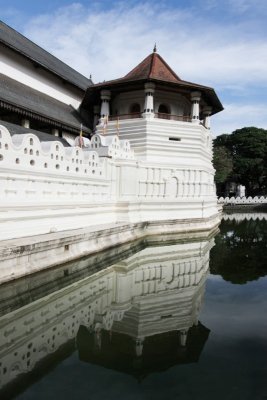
[[163, 109], [135, 108]]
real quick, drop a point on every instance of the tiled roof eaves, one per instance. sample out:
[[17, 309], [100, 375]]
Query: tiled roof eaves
[[124, 81], [180, 83], [31, 114], [24, 99], [152, 63]]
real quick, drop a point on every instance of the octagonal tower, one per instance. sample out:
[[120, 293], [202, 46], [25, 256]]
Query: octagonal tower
[[163, 117]]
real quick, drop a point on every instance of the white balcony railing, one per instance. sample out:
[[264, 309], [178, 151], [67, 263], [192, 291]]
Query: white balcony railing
[[171, 117]]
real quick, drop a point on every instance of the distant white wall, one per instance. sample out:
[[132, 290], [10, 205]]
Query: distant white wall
[[22, 70], [242, 200]]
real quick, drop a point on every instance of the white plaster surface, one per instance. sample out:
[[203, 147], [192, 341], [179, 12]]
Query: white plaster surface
[[45, 187], [22, 70], [116, 189]]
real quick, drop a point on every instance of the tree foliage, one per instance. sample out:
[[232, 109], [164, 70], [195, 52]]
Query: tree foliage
[[240, 254], [246, 150], [223, 163]]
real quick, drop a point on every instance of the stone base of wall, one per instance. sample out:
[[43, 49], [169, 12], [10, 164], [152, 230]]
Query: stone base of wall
[[24, 256]]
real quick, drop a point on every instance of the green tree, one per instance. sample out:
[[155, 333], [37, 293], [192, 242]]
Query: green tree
[[240, 254], [223, 163], [247, 148]]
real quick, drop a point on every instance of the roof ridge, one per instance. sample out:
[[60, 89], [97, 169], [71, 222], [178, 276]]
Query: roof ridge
[[153, 59]]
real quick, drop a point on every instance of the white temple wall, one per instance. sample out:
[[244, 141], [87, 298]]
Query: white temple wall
[[165, 142], [22, 70], [45, 187]]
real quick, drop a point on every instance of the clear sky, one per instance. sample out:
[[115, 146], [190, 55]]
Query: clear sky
[[218, 43]]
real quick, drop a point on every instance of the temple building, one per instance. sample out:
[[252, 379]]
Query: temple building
[[145, 168], [152, 90], [39, 93], [42, 94]]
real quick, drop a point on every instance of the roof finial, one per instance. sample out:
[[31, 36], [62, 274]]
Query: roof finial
[[155, 48]]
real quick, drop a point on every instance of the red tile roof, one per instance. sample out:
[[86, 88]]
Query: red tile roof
[[153, 67]]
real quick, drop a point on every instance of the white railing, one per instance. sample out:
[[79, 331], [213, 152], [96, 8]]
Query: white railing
[[242, 200]]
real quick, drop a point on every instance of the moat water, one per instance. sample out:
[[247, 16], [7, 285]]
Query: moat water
[[163, 318]]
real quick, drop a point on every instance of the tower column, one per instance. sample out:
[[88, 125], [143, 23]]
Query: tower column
[[183, 337], [139, 344], [96, 115], [207, 113], [105, 98], [25, 123], [55, 132], [149, 100], [195, 98]]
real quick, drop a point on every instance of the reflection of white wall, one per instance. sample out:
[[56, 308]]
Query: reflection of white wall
[[245, 216], [164, 280]]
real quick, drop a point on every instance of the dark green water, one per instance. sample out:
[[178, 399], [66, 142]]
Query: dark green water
[[172, 319]]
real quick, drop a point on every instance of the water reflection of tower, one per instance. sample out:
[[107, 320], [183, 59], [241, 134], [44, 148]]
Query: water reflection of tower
[[158, 293], [123, 313]]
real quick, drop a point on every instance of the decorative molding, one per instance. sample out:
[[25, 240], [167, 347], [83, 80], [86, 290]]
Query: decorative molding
[[242, 200]]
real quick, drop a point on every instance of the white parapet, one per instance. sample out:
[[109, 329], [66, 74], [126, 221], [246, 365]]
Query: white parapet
[[112, 146], [243, 200], [46, 187]]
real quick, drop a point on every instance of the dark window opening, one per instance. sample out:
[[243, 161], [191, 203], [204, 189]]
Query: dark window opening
[[135, 108], [163, 109]]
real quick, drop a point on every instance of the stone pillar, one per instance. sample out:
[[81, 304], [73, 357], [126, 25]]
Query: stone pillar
[[195, 98], [149, 100], [55, 132], [96, 115], [25, 123], [207, 113], [105, 98], [139, 344], [183, 337]]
